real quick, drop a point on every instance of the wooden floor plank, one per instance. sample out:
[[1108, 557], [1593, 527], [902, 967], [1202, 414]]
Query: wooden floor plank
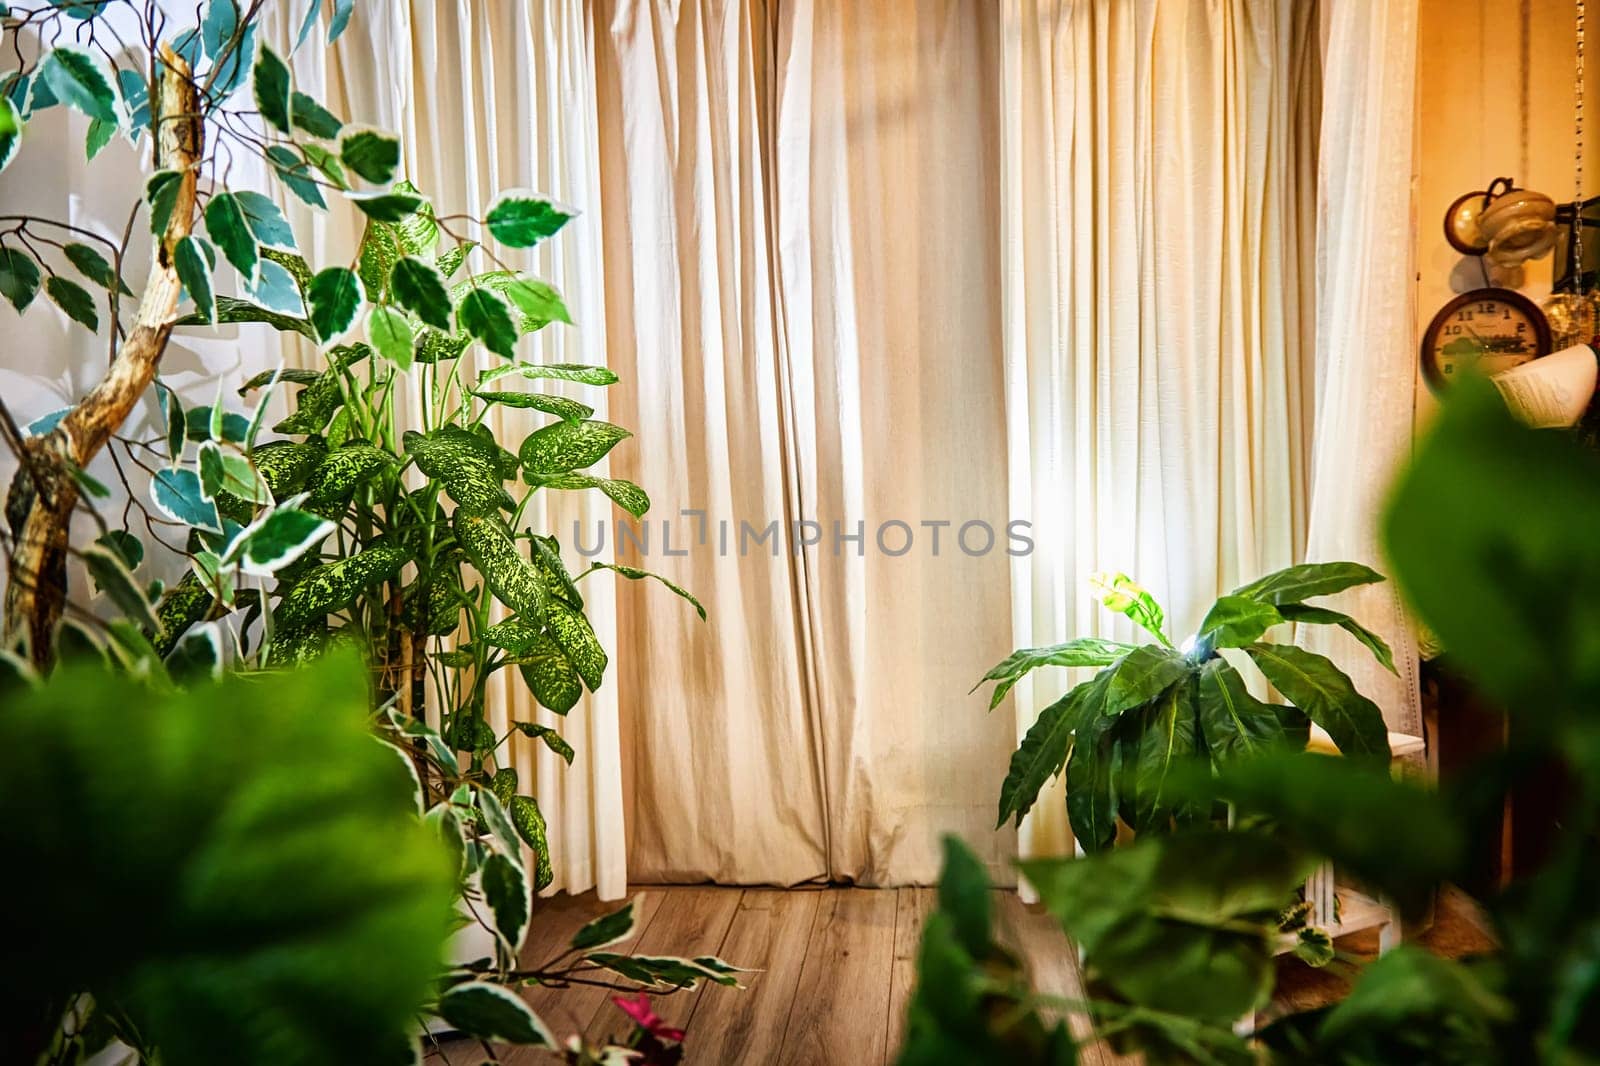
[[912, 907], [769, 934], [570, 1010], [842, 1001], [1052, 964], [690, 921]]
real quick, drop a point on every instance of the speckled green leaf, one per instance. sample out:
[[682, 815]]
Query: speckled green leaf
[[529, 820], [633, 573], [286, 464], [289, 374], [560, 406], [557, 581], [552, 740], [433, 608], [379, 252], [514, 580], [184, 605], [580, 372], [550, 675], [504, 784], [464, 464], [515, 635], [576, 637], [333, 586], [314, 406], [340, 471], [298, 645], [434, 346], [502, 283], [567, 446], [624, 494]]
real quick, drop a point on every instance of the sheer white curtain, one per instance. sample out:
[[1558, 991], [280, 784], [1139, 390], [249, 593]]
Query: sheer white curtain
[[490, 96], [1158, 175]]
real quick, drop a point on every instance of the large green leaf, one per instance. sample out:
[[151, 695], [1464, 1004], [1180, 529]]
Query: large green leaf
[[339, 472], [464, 463], [573, 633], [563, 447], [1235, 724], [549, 674], [1142, 675], [561, 406], [334, 586], [1120, 593], [272, 897], [488, 544], [1322, 616], [1044, 749], [493, 1012], [1296, 584], [1170, 735], [1085, 651], [1235, 621], [1491, 534], [1091, 783], [1182, 924], [1323, 691], [1410, 1005]]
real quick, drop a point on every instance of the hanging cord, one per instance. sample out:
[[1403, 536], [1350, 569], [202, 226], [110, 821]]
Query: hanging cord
[[1577, 201]]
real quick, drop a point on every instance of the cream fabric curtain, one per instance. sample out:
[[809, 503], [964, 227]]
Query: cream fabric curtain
[[1158, 173], [490, 96], [800, 221]]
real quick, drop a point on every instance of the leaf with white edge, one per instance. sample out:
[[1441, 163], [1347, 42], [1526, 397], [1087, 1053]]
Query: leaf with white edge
[[270, 81], [161, 193], [538, 299], [177, 421], [226, 472], [199, 653], [552, 739], [99, 135], [92, 265], [522, 219], [124, 546], [265, 221], [219, 26], [505, 889], [10, 131], [111, 576], [529, 820], [229, 231], [278, 539], [667, 971], [74, 299], [493, 1012], [373, 154], [606, 930], [79, 82], [567, 446], [390, 333], [19, 278], [633, 573], [312, 117], [560, 406], [386, 206], [342, 10], [1323, 616], [1325, 693], [276, 291], [1120, 593], [419, 288], [335, 296], [484, 315], [295, 173], [47, 422], [195, 275], [136, 96], [579, 372]]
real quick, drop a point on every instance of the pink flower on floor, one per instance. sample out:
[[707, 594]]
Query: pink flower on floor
[[638, 1008]]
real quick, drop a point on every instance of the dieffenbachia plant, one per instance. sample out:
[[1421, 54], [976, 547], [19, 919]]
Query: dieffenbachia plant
[[1153, 706], [340, 524]]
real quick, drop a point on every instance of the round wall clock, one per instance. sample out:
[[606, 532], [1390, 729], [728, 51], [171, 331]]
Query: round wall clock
[[1490, 329]]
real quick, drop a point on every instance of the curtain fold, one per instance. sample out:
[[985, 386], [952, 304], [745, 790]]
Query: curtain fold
[[490, 96], [1157, 166]]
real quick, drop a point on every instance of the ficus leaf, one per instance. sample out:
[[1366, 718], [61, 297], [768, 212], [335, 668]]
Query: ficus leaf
[[19, 278], [335, 295], [295, 173], [521, 219], [92, 265], [265, 222], [312, 117], [390, 333], [386, 206], [78, 81], [493, 1012], [538, 299], [74, 299], [270, 81], [194, 272], [418, 288], [484, 315], [373, 154], [229, 231]]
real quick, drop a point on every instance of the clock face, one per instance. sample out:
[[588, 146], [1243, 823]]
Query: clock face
[[1487, 330]]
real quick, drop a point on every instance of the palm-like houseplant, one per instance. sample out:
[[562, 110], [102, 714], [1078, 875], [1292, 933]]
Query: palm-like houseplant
[[1119, 736]]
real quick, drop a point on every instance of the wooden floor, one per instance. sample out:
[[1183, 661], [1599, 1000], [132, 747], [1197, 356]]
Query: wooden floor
[[835, 967]]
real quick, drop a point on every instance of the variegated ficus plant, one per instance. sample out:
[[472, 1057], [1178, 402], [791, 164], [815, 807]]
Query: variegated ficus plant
[[1153, 707], [341, 523]]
